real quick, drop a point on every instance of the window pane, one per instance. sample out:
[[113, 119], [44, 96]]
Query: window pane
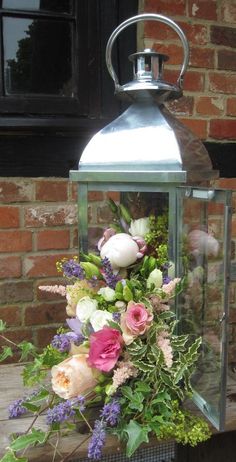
[[61, 6], [37, 56]]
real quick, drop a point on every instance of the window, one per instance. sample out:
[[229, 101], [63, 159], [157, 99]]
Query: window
[[55, 91]]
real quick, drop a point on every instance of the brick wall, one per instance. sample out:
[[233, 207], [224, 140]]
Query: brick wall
[[208, 106], [38, 226]]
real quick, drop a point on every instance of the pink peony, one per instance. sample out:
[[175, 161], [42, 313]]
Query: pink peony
[[135, 321], [105, 349], [121, 250]]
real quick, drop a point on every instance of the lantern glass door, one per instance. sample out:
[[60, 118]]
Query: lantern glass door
[[203, 245], [96, 215]]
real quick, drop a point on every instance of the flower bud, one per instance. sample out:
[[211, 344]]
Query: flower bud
[[156, 278]]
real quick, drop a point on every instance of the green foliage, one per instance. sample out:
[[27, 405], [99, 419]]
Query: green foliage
[[36, 371], [32, 438], [2, 325], [6, 353], [11, 457], [137, 434]]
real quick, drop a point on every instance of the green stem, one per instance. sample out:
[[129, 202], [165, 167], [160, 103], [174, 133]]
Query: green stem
[[75, 449]]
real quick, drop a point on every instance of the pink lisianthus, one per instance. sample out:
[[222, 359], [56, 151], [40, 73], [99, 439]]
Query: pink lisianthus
[[105, 349], [135, 321]]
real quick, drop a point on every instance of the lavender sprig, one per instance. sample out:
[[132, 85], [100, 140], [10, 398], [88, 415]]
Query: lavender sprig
[[110, 278], [65, 410], [16, 409], [97, 440], [111, 412], [72, 268]]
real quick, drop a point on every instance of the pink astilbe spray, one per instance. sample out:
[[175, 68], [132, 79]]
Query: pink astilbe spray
[[164, 344], [124, 370], [61, 290]]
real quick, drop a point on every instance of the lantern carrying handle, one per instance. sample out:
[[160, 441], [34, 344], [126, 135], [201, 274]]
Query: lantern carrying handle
[[147, 17]]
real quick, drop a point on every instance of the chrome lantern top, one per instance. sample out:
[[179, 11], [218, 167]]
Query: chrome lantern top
[[147, 137]]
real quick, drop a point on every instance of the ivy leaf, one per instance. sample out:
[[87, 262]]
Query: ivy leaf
[[2, 325], [24, 441], [10, 457], [27, 348], [7, 351], [137, 434]]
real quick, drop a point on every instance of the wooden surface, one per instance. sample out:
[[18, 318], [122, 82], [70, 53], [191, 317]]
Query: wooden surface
[[11, 388]]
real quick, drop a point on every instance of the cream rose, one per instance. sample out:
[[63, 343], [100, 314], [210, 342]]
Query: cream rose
[[73, 377], [85, 307], [99, 319]]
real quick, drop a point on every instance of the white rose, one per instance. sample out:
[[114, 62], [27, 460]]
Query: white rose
[[107, 293], [121, 250], [139, 227], [156, 278], [99, 319], [85, 307]]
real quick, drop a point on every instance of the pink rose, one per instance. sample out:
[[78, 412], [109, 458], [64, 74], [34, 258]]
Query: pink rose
[[135, 321], [73, 377], [105, 349]]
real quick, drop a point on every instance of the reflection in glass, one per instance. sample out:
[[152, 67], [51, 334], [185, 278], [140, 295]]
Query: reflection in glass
[[37, 56], [61, 6]]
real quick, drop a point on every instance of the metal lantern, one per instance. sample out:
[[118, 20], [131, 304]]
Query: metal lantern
[[149, 161]]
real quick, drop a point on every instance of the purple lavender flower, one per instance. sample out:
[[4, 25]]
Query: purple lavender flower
[[60, 413], [75, 324], [16, 409], [77, 339], [110, 278], [166, 280], [111, 412], [72, 268], [79, 402], [97, 440], [61, 342], [116, 316]]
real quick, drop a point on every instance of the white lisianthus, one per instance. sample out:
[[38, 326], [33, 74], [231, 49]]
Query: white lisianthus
[[156, 278], [121, 250], [107, 293], [99, 319], [139, 227], [85, 307]]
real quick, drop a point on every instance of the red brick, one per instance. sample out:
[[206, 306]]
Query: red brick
[[207, 105], [15, 241], [114, 195], [222, 83], [215, 209], [11, 315], [53, 239], [75, 238], [202, 57], [193, 80], [9, 217], [73, 191], [50, 215], [51, 190], [198, 127], [234, 227], [175, 52], [45, 313], [224, 36], [231, 106], [16, 291], [41, 265], [227, 60], [45, 336], [10, 267], [165, 6], [195, 33], [49, 296], [182, 106], [226, 183], [223, 129], [203, 9], [95, 196], [16, 190]]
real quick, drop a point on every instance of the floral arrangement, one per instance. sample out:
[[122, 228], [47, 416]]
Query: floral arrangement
[[118, 365]]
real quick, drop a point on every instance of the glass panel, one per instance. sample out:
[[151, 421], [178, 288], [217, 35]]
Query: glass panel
[[204, 251], [61, 6], [138, 204], [37, 56]]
